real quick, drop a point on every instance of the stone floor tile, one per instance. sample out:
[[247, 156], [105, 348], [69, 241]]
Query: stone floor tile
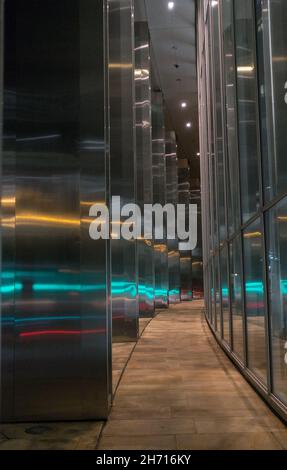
[[161, 442], [236, 441], [281, 437], [149, 427]]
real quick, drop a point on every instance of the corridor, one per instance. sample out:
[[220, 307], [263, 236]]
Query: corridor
[[178, 391]]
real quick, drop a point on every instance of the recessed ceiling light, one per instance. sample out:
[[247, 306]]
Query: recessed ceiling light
[[183, 104], [188, 125], [170, 5]]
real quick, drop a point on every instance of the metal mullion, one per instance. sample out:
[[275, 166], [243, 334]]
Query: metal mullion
[[225, 162], [244, 313], [237, 115], [267, 310], [209, 160], [215, 133], [263, 220], [244, 326]]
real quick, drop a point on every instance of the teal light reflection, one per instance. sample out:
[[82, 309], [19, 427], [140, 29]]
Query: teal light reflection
[[11, 288]]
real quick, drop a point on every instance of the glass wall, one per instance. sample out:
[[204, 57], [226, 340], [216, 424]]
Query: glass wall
[[236, 296], [219, 149], [225, 294], [242, 64], [248, 135], [229, 81], [277, 272], [254, 298], [272, 62]]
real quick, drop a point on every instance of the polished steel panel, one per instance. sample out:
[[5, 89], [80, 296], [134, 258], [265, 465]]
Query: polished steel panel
[[184, 197], [185, 276], [8, 167], [159, 197], [144, 163], [172, 198], [58, 324], [125, 308]]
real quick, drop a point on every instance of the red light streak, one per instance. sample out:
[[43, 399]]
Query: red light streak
[[61, 332]]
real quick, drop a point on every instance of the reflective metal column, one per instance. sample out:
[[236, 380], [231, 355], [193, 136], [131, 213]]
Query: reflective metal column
[[55, 340], [159, 197], [7, 233], [144, 163], [123, 165], [172, 198], [185, 256], [185, 276]]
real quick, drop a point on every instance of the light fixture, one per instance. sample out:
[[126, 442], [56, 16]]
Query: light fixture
[[183, 104], [188, 125], [170, 5]]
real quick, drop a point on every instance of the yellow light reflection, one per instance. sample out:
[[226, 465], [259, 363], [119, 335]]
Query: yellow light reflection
[[32, 218], [252, 235], [247, 68], [93, 203], [160, 248], [8, 201], [120, 66]]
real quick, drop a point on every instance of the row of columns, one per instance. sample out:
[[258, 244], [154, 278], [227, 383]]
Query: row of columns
[[82, 122]]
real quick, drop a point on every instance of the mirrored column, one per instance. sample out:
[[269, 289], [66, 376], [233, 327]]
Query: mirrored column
[[123, 167], [172, 198], [159, 197], [144, 164], [55, 340], [185, 256]]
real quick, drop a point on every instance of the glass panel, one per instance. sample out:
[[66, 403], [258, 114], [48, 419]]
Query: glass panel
[[277, 260], [217, 295], [213, 314], [210, 291], [230, 96], [219, 125], [236, 296], [247, 107], [225, 294], [254, 295], [212, 163], [272, 59]]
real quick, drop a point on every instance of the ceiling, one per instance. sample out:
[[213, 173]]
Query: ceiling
[[173, 38]]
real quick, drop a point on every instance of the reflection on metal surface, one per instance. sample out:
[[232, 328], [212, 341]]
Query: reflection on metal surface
[[123, 165], [7, 171], [144, 164], [159, 197], [172, 198], [186, 292], [185, 275], [54, 289]]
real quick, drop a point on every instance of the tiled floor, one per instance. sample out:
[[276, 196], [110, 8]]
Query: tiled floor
[[121, 355], [179, 391], [122, 352]]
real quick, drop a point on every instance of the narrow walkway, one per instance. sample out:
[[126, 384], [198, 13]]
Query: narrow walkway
[[180, 391]]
